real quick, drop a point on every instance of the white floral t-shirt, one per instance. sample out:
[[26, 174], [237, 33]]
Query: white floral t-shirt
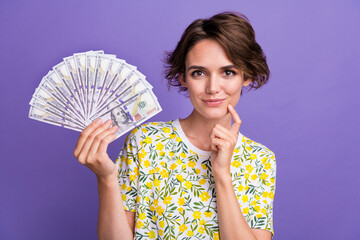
[[168, 182]]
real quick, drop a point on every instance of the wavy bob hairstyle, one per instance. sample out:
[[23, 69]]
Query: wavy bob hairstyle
[[233, 31]]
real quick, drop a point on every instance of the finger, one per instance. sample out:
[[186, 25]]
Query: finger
[[84, 134], [105, 142], [99, 139], [223, 133], [84, 152], [217, 144], [237, 121]]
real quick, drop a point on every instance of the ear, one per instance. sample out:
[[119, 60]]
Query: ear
[[247, 82], [182, 79]]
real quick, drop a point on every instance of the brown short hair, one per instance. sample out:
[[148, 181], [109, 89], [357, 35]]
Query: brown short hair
[[234, 32]]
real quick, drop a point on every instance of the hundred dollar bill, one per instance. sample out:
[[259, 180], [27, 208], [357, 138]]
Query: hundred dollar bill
[[134, 89], [53, 82], [131, 113], [122, 84], [46, 107], [55, 102], [62, 73], [116, 79], [114, 66], [40, 115], [71, 69]]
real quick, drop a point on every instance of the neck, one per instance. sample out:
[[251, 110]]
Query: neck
[[197, 128]]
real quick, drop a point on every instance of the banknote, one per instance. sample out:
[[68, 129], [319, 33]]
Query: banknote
[[131, 113], [43, 116]]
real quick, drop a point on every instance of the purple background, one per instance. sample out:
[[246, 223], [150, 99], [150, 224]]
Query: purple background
[[308, 114]]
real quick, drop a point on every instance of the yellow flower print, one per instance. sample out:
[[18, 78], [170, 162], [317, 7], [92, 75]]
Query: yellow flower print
[[154, 123], [152, 208], [133, 131], [147, 163], [188, 184], [184, 166], [264, 176], [138, 198], [267, 166], [247, 176], [148, 140], [198, 171], [204, 166], [253, 177], [259, 215], [141, 155], [208, 214], [246, 210], [272, 157], [272, 180], [180, 209], [236, 163], [179, 162], [201, 230], [248, 148], [216, 236], [166, 130], [178, 139], [182, 228], [172, 135], [154, 218], [181, 201], [151, 171], [151, 234], [245, 198], [271, 195], [147, 199], [253, 203], [257, 197], [144, 130], [123, 196], [265, 201], [162, 163], [246, 187], [157, 182], [263, 211], [191, 163], [157, 169], [164, 173], [180, 178], [204, 196], [149, 184], [183, 155], [192, 152], [202, 222], [249, 168], [141, 143], [156, 202], [190, 233], [265, 194], [263, 160], [139, 224], [161, 232], [197, 215], [132, 177], [240, 187], [257, 208], [159, 146], [202, 181], [123, 186], [142, 216], [171, 154], [253, 156], [236, 150], [161, 154], [128, 189], [167, 199], [173, 166], [162, 224], [160, 210]]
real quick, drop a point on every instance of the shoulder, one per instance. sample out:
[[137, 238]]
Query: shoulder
[[256, 150], [152, 128]]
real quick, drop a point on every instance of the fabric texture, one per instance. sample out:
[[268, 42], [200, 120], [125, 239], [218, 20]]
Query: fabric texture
[[168, 182]]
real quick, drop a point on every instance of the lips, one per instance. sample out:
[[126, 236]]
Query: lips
[[214, 102]]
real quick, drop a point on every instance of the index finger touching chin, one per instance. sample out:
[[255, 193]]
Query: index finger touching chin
[[237, 121]]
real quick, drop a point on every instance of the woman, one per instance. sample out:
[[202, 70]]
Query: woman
[[198, 177]]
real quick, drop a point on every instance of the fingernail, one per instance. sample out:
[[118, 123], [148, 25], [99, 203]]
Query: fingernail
[[99, 120]]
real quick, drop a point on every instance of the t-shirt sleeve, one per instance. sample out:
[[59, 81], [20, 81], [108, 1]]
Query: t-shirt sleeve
[[128, 172], [255, 188]]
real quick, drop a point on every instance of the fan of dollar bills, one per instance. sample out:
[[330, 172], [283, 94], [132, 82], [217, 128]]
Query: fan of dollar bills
[[92, 85]]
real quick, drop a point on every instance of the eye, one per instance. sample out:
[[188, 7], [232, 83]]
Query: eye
[[229, 73], [197, 73]]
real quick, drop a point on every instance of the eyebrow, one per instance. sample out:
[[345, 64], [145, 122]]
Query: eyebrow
[[204, 68]]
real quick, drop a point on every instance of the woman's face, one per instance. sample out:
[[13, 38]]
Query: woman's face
[[212, 80]]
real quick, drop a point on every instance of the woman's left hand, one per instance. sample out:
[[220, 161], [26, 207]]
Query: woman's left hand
[[223, 142]]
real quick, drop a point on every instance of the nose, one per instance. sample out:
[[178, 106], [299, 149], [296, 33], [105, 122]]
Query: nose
[[213, 85]]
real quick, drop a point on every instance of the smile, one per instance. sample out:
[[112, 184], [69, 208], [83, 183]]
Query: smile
[[213, 102]]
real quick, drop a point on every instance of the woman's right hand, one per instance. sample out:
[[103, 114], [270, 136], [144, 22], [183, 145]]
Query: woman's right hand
[[92, 145]]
